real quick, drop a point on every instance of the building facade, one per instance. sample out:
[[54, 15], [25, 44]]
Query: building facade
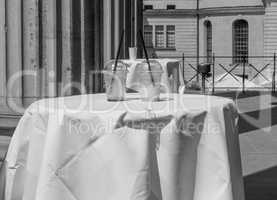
[[232, 29]]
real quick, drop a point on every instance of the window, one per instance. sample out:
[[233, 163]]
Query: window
[[170, 7], [162, 37], [148, 7], [159, 36], [170, 36], [148, 35], [208, 40], [240, 41]]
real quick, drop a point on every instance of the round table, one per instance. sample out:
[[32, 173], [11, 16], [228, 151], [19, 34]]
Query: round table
[[171, 79], [83, 147]]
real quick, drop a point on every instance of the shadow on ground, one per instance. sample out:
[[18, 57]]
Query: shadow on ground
[[261, 185], [244, 125]]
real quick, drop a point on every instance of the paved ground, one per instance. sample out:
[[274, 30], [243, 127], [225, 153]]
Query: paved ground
[[258, 141]]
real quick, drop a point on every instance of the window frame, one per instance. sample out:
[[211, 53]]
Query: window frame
[[171, 7], [161, 33], [170, 33], [240, 41], [148, 7], [148, 45]]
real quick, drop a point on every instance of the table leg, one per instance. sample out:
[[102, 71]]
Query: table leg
[[234, 156], [176, 82]]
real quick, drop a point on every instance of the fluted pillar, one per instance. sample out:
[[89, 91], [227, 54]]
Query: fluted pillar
[[49, 48], [2, 53], [119, 15], [31, 63], [53, 48], [108, 29], [66, 23], [96, 63], [14, 58]]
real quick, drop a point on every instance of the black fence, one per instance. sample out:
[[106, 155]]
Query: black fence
[[253, 73]]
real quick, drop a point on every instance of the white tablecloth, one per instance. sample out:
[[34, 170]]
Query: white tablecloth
[[172, 76], [84, 148]]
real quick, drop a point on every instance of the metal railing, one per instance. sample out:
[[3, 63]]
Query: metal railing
[[259, 71]]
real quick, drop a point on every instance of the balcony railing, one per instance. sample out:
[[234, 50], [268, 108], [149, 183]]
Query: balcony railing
[[253, 73]]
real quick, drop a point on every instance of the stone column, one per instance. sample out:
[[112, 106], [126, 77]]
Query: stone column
[[31, 79], [83, 45], [14, 52], [130, 18], [98, 43], [107, 29], [49, 48], [91, 38], [2, 53], [66, 14]]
